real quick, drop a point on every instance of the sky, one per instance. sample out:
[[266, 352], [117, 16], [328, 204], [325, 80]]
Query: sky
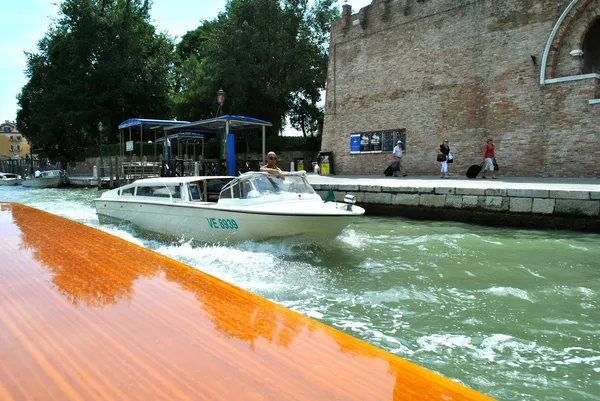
[[26, 21]]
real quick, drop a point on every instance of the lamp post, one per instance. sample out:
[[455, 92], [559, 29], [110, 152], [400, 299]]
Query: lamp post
[[222, 138], [220, 100]]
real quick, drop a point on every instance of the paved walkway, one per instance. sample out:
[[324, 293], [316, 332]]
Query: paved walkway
[[564, 184]]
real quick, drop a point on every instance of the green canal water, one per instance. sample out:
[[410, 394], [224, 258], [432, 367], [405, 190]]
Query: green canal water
[[512, 313]]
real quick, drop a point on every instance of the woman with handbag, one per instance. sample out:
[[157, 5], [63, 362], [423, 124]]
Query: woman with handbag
[[444, 157]]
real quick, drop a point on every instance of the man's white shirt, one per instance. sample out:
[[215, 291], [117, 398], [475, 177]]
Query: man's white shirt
[[397, 151]]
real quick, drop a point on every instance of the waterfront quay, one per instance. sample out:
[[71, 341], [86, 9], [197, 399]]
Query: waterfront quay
[[567, 203]]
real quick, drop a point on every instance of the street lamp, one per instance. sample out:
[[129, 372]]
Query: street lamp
[[220, 100], [100, 128]]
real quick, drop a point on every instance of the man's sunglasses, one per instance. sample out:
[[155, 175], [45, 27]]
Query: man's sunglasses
[[272, 158]]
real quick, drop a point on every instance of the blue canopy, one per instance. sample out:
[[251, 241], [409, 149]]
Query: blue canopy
[[181, 136], [217, 124], [150, 124]]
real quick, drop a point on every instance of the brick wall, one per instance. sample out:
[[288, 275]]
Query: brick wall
[[463, 70]]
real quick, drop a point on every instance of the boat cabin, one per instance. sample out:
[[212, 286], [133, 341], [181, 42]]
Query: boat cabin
[[180, 189], [259, 187], [249, 188]]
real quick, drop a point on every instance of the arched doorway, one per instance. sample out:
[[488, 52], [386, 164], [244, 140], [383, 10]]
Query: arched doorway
[[591, 49]]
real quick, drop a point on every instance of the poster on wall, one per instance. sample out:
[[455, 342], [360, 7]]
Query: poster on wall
[[377, 141], [376, 138], [365, 142], [354, 143]]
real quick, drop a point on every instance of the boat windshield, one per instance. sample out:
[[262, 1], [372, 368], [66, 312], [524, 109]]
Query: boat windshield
[[255, 185]]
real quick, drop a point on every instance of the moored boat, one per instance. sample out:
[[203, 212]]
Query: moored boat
[[46, 179], [9, 179], [253, 206]]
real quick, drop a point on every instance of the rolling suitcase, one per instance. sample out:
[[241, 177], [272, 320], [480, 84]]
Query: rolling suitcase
[[474, 170], [388, 171]]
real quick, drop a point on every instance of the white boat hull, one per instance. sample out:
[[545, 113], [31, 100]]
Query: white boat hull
[[11, 182], [42, 182], [209, 222]]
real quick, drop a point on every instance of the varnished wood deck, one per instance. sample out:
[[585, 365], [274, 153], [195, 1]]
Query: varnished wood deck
[[88, 316]]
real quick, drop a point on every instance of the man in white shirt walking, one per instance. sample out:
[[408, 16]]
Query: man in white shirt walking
[[397, 164]]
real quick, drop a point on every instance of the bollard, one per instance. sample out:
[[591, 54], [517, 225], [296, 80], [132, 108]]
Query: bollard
[[95, 173], [117, 170], [110, 171], [292, 166], [196, 169]]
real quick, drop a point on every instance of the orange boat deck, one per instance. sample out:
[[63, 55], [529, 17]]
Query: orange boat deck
[[87, 316]]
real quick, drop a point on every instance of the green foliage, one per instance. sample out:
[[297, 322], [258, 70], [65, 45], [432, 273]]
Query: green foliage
[[101, 61], [268, 55]]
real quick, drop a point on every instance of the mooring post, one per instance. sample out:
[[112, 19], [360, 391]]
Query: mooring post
[[99, 173], [118, 169], [110, 169]]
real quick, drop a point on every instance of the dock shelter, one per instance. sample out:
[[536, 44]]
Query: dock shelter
[[227, 125], [182, 138]]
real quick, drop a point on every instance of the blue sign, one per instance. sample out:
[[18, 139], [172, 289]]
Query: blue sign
[[355, 143]]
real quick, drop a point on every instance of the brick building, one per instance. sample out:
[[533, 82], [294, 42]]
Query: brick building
[[524, 72], [13, 144]]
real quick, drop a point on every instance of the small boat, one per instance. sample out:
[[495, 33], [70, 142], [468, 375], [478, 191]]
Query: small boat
[[46, 179], [218, 209], [10, 179]]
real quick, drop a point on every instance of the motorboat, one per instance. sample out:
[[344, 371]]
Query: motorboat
[[219, 209], [46, 179], [10, 179]]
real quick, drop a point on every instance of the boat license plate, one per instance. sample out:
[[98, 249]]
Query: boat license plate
[[225, 224]]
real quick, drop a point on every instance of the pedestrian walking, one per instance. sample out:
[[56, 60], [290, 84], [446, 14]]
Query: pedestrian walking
[[488, 159], [397, 164], [444, 157]]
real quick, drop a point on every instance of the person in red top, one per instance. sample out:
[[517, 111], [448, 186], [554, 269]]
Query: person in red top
[[488, 158]]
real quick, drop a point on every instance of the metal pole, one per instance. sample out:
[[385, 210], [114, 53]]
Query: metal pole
[[142, 148], [264, 155]]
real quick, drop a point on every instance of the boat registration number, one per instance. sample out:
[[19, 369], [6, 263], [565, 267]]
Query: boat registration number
[[225, 224]]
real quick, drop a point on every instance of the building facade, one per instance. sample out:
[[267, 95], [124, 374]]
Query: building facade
[[523, 72], [13, 144]]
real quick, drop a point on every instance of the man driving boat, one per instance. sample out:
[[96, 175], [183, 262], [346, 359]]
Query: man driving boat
[[271, 166]]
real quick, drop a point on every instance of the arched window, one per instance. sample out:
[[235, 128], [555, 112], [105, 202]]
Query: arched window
[[591, 49]]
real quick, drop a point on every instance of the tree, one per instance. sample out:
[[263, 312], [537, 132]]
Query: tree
[[101, 61], [268, 55]]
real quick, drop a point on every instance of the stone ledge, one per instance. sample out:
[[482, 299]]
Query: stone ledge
[[346, 187], [370, 188], [576, 207], [444, 191], [581, 195], [521, 205], [454, 201], [528, 193], [432, 200], [470, 201], [543, 206], [498, 203], [470, 191], [399, 190], [495, 192], [406, 199], [378, 197]]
